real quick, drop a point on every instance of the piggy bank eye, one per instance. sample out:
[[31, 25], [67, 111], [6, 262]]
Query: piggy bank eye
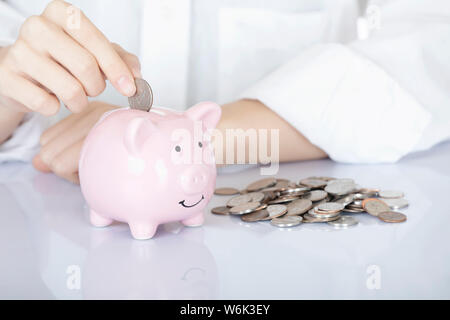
[[200, 144], [178, 149]]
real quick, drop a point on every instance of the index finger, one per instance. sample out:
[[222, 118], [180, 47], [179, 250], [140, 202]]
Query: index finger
[[79, 27]]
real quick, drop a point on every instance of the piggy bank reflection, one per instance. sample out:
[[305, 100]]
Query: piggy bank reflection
[[149, 168], [172, 266]]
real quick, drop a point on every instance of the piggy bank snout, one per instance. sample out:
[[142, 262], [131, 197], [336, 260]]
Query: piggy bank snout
[[194, 180]]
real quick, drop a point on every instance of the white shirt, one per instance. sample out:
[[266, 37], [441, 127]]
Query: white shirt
[[366, 82]]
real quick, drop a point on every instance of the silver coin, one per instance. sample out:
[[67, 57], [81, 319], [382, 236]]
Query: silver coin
[[245, 208], [275, 188], [226, 191], [345, 200], [327, 199], [262, 206], [375, 206], [221, 210], [370, 192], [323, 215], [255, 216], [331, 206], [269, 196], [283, 199], [357, 203], [299, 218], [362, 196], [340, 189], [315, 195], [282, 184], [391, 194], [286, 222], [295, 190], [299, 206], [143, 98], [396, 204], [341, 181], [261, 184], [238, 200], [245, 198], [323, 178], [307, 218], [256, 196], [275, 211], [344, 222], [392, 217], [353, 210], [313, 183]]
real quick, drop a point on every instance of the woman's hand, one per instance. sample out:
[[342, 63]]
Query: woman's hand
[[55, 59], [61, 144]]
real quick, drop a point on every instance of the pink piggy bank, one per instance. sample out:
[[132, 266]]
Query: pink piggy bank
[[149, 168]]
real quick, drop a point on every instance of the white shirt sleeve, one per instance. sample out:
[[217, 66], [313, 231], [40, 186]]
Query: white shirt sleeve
[[358, 102], [10, 21], [24, 142]]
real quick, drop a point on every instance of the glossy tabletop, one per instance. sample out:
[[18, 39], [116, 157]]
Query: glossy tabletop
[[49, 250]]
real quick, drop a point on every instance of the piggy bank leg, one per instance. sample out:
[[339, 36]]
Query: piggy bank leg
[[194, 221], [142, 230], [98, 220]]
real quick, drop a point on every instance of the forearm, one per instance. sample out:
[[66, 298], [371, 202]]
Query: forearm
[[9, 120], [252, 114]]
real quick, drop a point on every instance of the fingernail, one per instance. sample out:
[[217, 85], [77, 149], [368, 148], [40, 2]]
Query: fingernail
[[126, 86]]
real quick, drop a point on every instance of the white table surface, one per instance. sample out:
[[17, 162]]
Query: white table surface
[[49, 250]]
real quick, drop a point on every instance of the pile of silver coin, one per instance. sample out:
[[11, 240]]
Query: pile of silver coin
[[312, 200]]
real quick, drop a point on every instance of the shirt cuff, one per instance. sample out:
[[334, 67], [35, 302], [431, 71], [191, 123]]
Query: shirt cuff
[[345, 104]]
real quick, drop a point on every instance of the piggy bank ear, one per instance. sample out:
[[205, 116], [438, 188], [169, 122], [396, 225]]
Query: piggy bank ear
[[137, 132], [207, 112]]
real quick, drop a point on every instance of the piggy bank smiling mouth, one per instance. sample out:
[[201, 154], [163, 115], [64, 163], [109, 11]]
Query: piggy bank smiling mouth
[[187, 206]]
